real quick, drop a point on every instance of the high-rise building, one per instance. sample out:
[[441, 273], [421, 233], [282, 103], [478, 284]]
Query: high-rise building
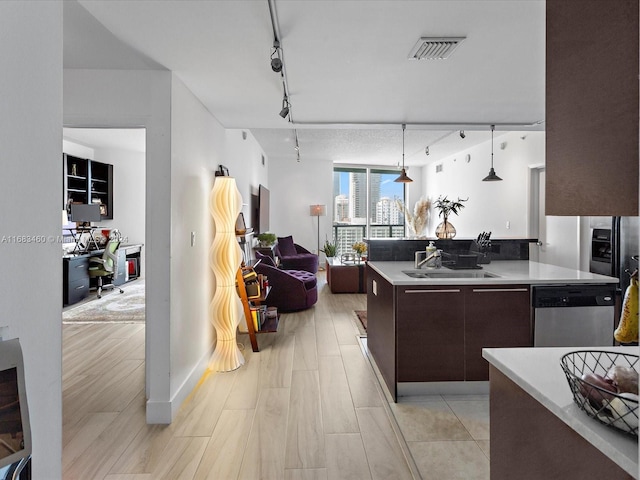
[[341, 209], [374, 196], [358, 197]]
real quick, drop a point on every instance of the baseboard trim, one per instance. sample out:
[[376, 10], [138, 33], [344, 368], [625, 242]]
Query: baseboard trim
[[163, 413]]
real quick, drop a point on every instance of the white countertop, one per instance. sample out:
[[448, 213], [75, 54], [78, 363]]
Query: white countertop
[[506, 271], [538, 372]]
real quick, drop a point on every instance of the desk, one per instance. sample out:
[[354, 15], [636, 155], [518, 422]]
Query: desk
[[76, 233], [75, 271]]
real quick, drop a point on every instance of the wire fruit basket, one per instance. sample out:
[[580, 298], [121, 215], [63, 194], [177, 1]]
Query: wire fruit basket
[[617, 410]]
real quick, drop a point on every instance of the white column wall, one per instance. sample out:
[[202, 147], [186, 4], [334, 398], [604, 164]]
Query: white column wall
[[197, 147], [136, 98], [30, 195]]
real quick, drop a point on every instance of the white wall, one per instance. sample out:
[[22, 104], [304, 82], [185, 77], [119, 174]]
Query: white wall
[[136, 98], [294, 186], [243, 156], [197, 145], [30, 195], [491, 204]]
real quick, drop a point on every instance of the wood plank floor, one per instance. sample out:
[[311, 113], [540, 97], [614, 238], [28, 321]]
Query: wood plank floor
[[307, 406]]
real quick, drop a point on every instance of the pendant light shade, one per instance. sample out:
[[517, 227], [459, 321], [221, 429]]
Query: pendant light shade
[[492, 177], [403, 178]]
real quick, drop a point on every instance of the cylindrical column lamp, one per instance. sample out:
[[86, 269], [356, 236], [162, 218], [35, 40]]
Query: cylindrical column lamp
[[225, 257]]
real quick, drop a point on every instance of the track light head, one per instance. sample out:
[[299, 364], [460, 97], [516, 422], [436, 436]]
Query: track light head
[[285, 111], [462, 134], [276, 65]]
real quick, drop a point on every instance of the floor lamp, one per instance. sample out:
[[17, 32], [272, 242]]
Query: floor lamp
[[318, 211], [225, 257]]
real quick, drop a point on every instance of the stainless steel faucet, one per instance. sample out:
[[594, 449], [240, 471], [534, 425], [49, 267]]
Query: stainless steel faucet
[[418, 263]]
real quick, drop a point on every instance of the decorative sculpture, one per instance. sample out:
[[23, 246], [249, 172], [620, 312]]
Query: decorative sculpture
[[225, 257]]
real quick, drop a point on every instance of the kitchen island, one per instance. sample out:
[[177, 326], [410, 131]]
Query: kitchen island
[[426, 333], [537, 430]]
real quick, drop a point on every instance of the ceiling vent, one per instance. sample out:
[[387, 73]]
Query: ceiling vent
[[434, 48]]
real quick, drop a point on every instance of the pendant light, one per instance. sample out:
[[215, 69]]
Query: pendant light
[[492, 177], [403, 178]]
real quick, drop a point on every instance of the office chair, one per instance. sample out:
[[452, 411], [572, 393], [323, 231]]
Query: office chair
[[107, 265]]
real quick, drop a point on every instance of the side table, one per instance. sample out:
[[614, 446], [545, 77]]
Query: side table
[[346, 277]]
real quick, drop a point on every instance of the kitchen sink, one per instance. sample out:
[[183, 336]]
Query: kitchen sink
[[446, 273]]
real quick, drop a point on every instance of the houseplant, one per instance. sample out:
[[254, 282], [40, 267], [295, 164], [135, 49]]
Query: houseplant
[[266, 239], [445, 208], [329, 249]]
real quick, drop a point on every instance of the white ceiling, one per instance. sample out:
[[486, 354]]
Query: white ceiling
[[350, 83]]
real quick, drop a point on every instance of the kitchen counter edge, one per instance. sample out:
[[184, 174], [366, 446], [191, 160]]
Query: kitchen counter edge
[[538, 372], [508, 272]]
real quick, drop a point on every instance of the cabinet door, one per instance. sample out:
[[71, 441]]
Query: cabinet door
[[430, 334], [592, 107], [496, 316], [381, 332]]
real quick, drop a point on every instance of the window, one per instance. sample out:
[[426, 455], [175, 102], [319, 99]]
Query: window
[[364, 205]]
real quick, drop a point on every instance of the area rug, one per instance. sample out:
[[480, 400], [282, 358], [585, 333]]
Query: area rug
[[113, 307], [362, 317]]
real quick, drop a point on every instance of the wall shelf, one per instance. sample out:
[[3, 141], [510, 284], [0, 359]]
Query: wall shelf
[[80, 179]]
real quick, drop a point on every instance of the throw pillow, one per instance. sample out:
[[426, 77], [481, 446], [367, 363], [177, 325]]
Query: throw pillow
[[286, 246], [266, 259]]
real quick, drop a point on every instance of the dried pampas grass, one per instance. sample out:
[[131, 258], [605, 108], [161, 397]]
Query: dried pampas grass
[[416, 221]]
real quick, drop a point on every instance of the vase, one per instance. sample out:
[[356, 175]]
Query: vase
[[445, 230]]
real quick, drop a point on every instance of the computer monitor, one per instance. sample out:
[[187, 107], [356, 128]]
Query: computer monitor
[[85, 212], [15, 429]]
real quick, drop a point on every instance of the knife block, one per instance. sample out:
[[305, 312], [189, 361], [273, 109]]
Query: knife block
[[482, 251]]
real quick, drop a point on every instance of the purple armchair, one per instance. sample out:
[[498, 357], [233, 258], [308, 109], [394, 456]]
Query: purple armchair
[[291, 290], [294, 257]]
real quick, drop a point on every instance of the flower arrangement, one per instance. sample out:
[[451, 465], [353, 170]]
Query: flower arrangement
[[359, 247], [416, 221]]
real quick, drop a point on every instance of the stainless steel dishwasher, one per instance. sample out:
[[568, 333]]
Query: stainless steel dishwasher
[[573, 315]]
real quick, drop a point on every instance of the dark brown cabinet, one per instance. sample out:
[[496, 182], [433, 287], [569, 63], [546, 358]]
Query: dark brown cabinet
[[430, 334], [88, 181], [381, 326], [436, 333], [495, 316], [592, 65]]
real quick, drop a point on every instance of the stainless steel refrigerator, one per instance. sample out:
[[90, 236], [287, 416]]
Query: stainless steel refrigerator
[[614, 247]]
